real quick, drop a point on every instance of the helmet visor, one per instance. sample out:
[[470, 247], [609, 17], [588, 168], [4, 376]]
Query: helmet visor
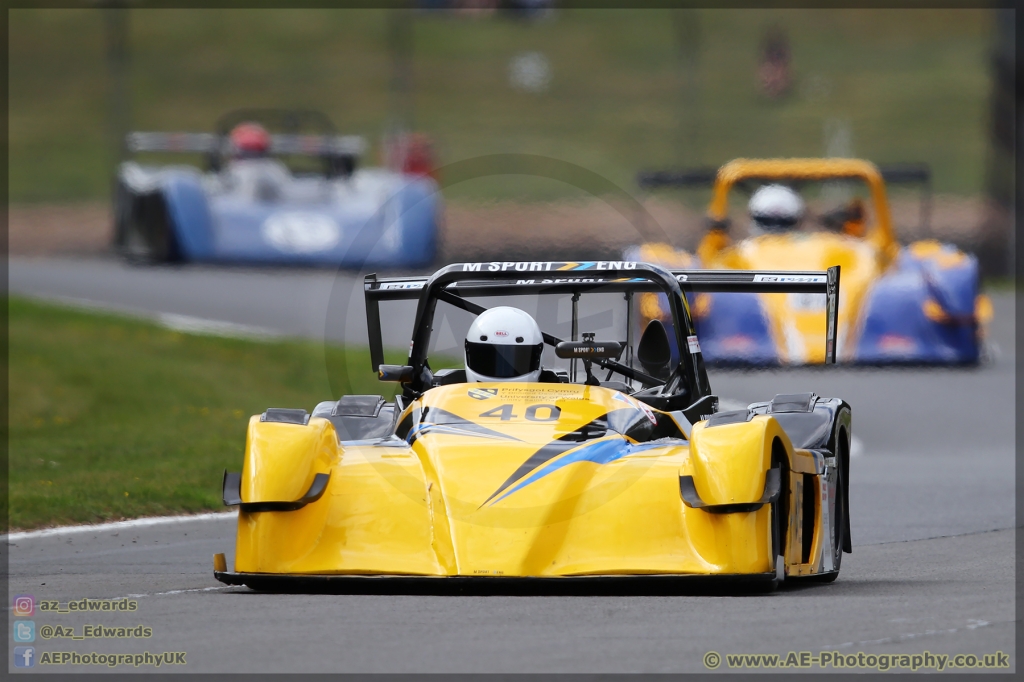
[[775, 223], [502, 362]]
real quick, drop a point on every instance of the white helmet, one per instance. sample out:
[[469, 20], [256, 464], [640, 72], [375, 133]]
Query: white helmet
[[503, 344], [775, 208]]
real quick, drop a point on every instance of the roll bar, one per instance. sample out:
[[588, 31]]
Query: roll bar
[[504, 278]]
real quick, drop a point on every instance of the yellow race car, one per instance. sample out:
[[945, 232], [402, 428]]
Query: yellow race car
[[916, 304], [612, 464]]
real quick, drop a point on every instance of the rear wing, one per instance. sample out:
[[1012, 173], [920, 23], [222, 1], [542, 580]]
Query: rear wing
[[511, 278], [897, 173], [892, 174], [208, 143]]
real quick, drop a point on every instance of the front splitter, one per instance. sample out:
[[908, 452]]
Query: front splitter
[[636, 584]]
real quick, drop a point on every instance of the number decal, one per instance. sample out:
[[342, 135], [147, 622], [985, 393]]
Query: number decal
[[504, 412], [552, 413], [541, 412]]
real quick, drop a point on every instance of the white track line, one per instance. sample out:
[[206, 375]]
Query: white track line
[[198, 325], [971, 625], [194, 589], [116, 525], [154, 594], [186, 324]]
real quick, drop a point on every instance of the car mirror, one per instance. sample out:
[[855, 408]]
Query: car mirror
[[400, 373], [589, 349]]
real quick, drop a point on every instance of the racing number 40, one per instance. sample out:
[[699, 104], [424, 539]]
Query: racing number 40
[[540, 412]]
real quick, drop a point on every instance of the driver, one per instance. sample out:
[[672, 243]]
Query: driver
[[775, 209], [249, 141], [503, 344], [252, 172]]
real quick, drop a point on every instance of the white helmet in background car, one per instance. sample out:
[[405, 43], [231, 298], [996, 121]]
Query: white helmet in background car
[[503, 344], [775, 208]]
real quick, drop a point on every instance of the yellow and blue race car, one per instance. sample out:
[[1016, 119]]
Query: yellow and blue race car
[[916, 304], [611, 464]]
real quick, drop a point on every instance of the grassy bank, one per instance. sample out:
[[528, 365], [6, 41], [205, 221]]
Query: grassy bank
[[114, 417], [908, 85]]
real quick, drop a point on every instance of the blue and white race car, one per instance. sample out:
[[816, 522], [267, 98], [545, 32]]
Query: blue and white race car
[[289, 197]]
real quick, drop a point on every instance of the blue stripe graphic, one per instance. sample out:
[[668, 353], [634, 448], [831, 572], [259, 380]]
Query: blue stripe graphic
[[599, 452]]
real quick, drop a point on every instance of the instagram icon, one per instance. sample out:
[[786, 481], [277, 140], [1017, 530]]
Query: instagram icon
[[24, 605]]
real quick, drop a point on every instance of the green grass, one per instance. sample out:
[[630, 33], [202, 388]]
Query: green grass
[[113, 417], [1000, 284], [913, 85]]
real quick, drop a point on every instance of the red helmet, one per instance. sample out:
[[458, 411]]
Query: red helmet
[[250, 139], [411, 153], [419, 155]]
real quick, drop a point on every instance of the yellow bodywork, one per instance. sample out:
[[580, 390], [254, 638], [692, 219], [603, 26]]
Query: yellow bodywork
[[488, 482], [864, 252]]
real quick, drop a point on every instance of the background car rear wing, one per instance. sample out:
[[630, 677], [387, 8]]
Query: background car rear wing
[[510, 278], [208, 143], [892, 174], [898, 173]]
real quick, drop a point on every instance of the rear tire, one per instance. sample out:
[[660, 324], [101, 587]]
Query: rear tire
[[147, 234]]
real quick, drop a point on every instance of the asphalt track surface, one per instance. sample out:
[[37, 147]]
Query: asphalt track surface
[[932, 511]]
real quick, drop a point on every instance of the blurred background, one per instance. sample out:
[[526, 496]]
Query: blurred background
[[610, 91]]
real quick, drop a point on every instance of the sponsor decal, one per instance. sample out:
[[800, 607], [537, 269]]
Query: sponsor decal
[[691, 343], [784, 279], [827, 507], [547, 266], [638, 405], [544, 391], [567, 280], [681, 278], [501, 332], [402, 285], [647, 411], [482, 393], [298, 232]]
